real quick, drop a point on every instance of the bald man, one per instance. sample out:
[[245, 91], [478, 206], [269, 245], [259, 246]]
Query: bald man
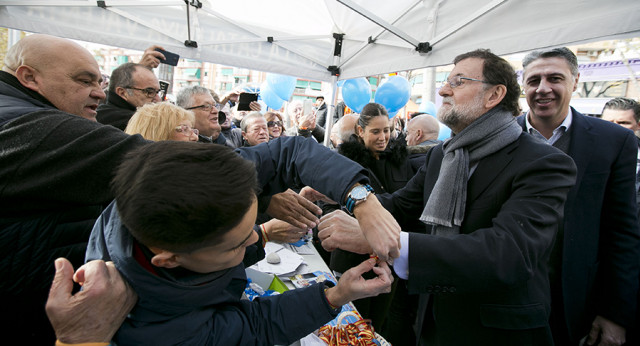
[[343, 129], [423, 130], [55, 167]]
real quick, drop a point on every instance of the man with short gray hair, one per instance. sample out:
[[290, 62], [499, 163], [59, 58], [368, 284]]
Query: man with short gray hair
[[254, 129], [199, 100]]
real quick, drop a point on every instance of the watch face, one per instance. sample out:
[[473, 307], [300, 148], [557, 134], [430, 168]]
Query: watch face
[[358, 192]]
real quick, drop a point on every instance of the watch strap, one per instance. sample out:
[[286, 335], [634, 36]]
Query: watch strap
[[351, 202]]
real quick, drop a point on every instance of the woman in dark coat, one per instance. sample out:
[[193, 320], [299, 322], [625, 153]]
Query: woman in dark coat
[[389, 170]]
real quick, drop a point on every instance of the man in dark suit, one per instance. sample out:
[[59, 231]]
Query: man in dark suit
[[626, 113], [491, 197], [595, 259]]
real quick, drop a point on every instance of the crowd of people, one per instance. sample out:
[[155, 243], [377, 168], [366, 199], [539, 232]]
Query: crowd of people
[[520, 229]]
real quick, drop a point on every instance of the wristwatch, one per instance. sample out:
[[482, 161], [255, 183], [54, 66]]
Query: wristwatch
[[356, 195]]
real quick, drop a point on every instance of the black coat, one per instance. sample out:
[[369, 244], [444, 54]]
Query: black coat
[[489, 284], [116, 112], [601, 241]]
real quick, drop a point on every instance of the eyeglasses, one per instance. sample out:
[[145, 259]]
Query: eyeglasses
[[186, 130], [205, 107], [274, 123], [149, 92], [457, 81]]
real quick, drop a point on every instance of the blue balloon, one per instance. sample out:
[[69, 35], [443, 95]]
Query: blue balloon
[[394, 93], [281, 85], [392, 114], [269, 97], [250, 88], [341, 83], [444, 133], [356, 93], [428, 107]]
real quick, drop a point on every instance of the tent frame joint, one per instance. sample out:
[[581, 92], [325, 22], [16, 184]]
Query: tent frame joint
[[195, 3], [424, 47], [102, 4], [334, 70], [337, 48]]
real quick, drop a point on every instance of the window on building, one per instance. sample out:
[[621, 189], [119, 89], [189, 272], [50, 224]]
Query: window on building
[[315, 85]]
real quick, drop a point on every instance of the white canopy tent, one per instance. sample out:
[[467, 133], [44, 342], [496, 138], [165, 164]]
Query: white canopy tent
[[298, 37], [328, 39]]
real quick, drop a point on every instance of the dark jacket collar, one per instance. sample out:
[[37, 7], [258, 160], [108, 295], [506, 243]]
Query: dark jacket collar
[[116, 100], [395, 153], [13, 81]]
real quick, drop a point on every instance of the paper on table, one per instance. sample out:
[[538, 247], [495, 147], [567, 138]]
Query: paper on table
[[289, 261]]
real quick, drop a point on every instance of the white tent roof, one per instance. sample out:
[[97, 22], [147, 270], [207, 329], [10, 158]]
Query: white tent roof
[[379, 36]]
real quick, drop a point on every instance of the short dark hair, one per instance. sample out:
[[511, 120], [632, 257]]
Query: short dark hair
[[122, 76], [495, 71], [319, 97], [623, 104], [562, 52], [175, 195]]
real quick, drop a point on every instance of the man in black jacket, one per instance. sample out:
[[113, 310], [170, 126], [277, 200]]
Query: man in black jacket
[[131, 86]]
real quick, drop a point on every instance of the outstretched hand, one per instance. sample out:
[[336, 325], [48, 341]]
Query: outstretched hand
[[283, 232], [337, 230], [290, 207], [379, 228], [312, 195], [353, 286], [93, 314]]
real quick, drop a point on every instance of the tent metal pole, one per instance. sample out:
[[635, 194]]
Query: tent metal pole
[[264, 37], [372, 39], [381, 22], [146, 23], [331, 108], [466, 21], [335, 72]]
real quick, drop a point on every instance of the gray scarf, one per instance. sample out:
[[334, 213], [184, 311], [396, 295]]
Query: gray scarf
[[491, 132]]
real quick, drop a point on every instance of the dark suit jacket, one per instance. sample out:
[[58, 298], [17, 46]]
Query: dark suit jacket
[[490, 283], [601, 249]]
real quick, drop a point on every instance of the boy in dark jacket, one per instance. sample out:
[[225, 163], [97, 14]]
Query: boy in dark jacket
[[179, 238]]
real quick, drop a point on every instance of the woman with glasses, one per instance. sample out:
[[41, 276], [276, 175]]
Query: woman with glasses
[[275, 125], [163, 122]]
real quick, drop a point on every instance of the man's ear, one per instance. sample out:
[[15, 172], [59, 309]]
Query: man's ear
[[419, 134], [496, 95], [164, 259], [122, 92], [28, 76]]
